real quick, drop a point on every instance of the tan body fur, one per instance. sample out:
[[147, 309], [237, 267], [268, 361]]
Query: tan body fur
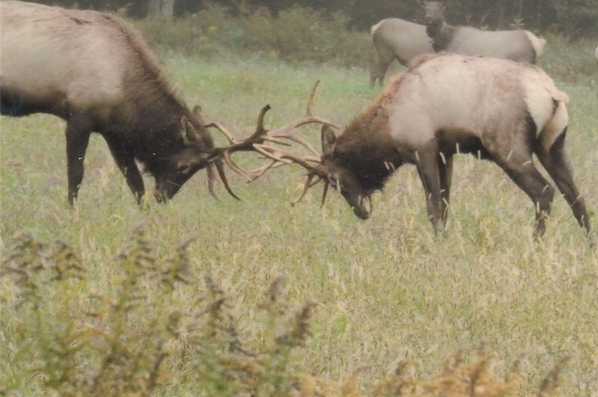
[[94, 71], [447, 104], [35, 37], [397, 39], [478, 111]]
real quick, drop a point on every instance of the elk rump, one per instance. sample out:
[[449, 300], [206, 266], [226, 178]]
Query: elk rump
[[95, 71], [397, 39]]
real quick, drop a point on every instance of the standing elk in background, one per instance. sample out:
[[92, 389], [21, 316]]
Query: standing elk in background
[[516, 45], [94, 71], [596, 54], [397, 39], [503, 111]]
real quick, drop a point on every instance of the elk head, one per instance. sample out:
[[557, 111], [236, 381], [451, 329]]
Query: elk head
[[337, 172], [171, 172], [433, 12]]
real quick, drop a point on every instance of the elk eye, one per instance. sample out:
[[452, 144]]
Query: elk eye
[[184, 168], [333, 181]]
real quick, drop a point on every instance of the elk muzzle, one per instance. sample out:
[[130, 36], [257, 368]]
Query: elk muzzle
[[362, 208]]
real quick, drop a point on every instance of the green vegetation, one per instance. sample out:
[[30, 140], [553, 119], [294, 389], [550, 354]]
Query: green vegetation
[[192, 303], [298, 35]]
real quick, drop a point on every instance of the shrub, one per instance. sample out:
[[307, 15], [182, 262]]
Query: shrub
[[134, 338]]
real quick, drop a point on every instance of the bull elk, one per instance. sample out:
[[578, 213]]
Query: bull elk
[[397, 39], [503, 111], [516, 45], [95, 71]]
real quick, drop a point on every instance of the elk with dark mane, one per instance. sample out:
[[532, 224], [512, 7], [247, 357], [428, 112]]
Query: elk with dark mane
[[516, 45], [503, 111], [94, 71]]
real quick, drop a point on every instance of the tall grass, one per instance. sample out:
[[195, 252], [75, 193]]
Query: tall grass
[[297, 35], [90, 296]]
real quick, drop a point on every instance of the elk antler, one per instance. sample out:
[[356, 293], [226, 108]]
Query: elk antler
[[255, 142]]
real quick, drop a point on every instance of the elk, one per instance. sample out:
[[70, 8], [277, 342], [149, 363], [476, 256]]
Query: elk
[[397, 39], [596, 54], [503, 111], [516, 45], [94, 71]]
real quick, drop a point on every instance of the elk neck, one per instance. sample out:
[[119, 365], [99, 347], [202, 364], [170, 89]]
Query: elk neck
[[366, 148], [441, 34]]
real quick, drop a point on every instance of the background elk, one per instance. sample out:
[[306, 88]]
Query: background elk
[[516, 45], [397, 39], [95, 72], [503, 111], [596, 54]]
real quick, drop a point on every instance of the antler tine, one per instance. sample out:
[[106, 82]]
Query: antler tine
[[263, 169], [260, 120], [324, 191], [287, 131], [306, 187], [246, 144], [229, 161], [224, 131], [283, 157], [310, 101], [211, 178], [220, 169]]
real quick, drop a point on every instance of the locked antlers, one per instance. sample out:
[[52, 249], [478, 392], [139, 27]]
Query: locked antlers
[[257, 142]]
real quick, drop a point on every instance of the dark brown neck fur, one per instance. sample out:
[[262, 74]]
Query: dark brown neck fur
[[367, 149], [441, 34]]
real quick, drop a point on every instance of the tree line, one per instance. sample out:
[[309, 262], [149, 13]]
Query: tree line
[[574, 18]]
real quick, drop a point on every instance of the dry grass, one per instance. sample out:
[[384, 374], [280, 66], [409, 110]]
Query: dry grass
[[134, 340]]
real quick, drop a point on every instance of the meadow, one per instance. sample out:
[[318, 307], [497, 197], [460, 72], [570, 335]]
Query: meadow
[[374, 294]]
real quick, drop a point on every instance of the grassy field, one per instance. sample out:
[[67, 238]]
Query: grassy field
[[385, 289]]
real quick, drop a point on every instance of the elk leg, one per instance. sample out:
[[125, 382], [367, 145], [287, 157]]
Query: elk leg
[[556, 163], [526, 176], [445, 168], [512, 151], [126, 163], [428, 169], [385, 59], [78, 130]]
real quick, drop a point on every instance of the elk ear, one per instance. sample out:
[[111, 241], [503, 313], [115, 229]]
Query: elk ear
[[328, 140], [198, 114], [188, 132]]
